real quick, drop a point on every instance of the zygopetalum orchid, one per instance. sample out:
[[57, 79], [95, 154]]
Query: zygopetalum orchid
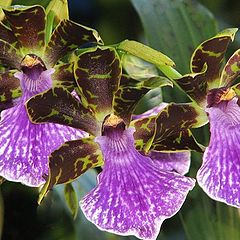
[[142, 180], [210, 85], [30, 52]]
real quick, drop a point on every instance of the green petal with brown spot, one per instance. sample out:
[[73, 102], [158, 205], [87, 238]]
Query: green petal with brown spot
[[70, 161], [231, 70], [144, 132], [57, 105], [9, 55], [28, 25], [9, 87], [173, 124], [206, 64], [98, 74], [64, 77], [68, 36], [131, 91]]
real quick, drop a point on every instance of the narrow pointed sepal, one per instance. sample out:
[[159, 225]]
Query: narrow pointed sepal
[[57, 105], [206, 65], [131, 91], [173, 128], [133, 196], [70, 161], [28, 26], [25, 147], [98, 74], [219, 175], [68, 36], [231, 70]]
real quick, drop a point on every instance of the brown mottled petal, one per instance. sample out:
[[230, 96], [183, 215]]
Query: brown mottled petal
[[98, 73], [70, 161], [57, 105], [68, 36], [28, 25]]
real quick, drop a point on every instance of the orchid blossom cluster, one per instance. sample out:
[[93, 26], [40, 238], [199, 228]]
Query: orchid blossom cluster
[[68, 106]]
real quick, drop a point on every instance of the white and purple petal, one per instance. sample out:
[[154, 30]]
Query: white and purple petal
[[172, 161], [219, 175], [24, 146], [133, 196]]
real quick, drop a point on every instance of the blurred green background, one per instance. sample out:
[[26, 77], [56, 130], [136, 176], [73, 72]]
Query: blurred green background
[[175, 27]]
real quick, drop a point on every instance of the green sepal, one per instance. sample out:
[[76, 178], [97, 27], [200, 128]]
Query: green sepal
[[145, 129], [71, 199], [68, 36], [28, 26], [64, 76], [173, 125], [206, 64], [9, 87], [146, 53], [9, 55], [131, 91], [70, 161], [231, 70], [97, 73], [57, 105]]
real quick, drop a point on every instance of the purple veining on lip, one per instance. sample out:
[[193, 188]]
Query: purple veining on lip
[[133, 196], [172, 161], [219, 175]]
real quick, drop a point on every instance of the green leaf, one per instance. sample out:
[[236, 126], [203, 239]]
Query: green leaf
[[146, 53], [70, 161], [64, 76], [173, 124], [28, 25], [175, 27], [206, 65], [98, 74], [131, 91], [9, 87], [231, 70], [152, 99], [71, 199], [59, 106], [68, 36]]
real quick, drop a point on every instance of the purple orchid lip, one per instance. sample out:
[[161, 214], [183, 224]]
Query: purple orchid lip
[[25, 146], [133, 196], [219, 173]]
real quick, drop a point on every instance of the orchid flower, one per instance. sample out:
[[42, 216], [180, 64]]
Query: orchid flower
[[32, 53], [142, 181], [210, 85]]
